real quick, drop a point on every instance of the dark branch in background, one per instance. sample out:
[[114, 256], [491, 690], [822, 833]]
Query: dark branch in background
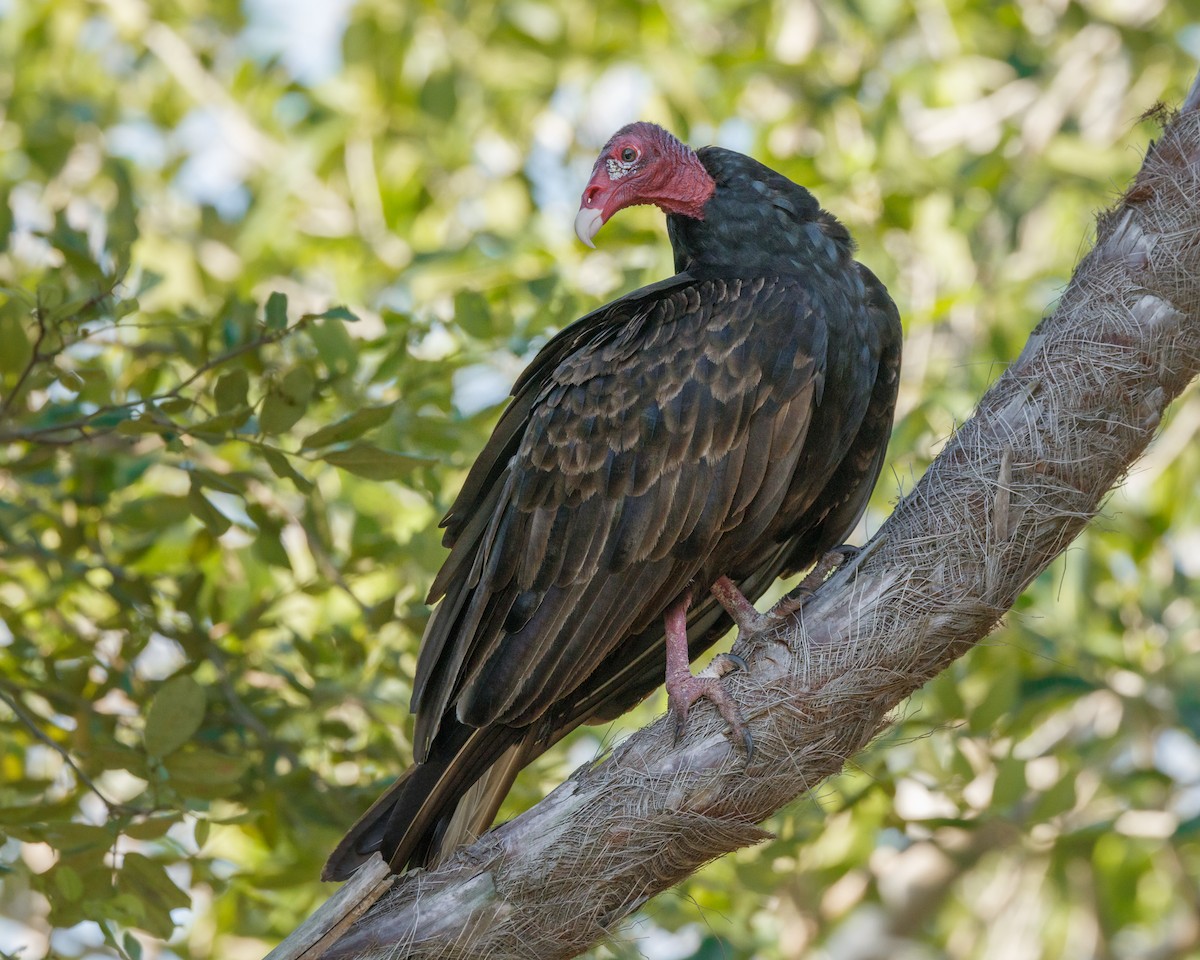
[[35, 357], [10, 696], [49, 434], [1013, 487]]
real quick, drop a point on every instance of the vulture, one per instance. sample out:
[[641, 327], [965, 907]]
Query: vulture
[[724, 426]]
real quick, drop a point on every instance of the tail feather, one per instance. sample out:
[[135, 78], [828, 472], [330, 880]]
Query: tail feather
[[475, 812], [453, 795], [432, 809]]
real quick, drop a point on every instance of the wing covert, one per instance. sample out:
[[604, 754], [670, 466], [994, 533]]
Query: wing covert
[[660, 428]]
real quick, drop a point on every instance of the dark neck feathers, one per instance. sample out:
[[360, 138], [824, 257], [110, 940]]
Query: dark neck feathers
[[758, 222]]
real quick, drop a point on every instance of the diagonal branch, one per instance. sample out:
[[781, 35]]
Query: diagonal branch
[[1015, 485]]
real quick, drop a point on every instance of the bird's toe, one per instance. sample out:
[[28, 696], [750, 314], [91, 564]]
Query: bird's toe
[[684, 692]]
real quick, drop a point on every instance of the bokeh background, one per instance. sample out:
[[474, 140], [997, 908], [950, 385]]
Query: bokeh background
[[267, 270]]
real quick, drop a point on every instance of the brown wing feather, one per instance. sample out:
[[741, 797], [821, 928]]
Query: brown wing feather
[[679, 410], [694, 327]]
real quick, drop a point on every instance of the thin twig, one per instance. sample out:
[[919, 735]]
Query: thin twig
[[47, 434], [31, 723], [34, 359]]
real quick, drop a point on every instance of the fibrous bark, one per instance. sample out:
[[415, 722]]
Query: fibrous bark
[[1011, 489]]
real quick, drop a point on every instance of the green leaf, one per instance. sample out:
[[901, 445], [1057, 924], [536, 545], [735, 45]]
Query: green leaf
[[439, 95], [218, 429], [6, 221], [18, 350], [276, 311], [213, 519], [112, 417], [282, 467], [132, 946], [472, 314], [231, 390], [286, 401], [1000, 700], [148, 880], [367, 460], [121, 222], [176, 405], [337, 350], [1058, 799], [1010, 785], [151, 828], [233, 483], [18, 295], [943, 690], [69, 883], [334, 313], [72, 838], [175, 714], [153, 512], [204, 772], [354, 425], [268, 546]]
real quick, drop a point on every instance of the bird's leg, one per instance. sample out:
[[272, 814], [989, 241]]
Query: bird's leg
[[749, 621], [684, 688], [798, 596]]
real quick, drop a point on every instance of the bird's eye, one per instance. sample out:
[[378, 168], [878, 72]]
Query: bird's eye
[[629, 154]]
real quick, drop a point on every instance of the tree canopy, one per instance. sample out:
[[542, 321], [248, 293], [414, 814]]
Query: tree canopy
[[267, 272]]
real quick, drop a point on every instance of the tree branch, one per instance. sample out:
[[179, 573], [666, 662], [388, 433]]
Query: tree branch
[[1013, 487]]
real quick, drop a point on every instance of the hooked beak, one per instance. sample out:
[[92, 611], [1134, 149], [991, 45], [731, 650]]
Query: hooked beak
[[596, 205], [588, 222]]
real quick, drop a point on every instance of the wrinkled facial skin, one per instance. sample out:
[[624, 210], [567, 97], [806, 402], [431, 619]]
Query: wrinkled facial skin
[[642, 163], [614, 185]]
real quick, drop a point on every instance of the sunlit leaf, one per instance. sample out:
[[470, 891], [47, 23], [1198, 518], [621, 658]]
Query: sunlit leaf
[[205, 773], [175, 714], [213, 519], [286, 401], [276, 311], [281, 466], [471, 312], [349, 427], [152, 828], [335, 313], [18, 349], [334, 345], [367, 460], [148, 880], [68, 882], [231, 390]]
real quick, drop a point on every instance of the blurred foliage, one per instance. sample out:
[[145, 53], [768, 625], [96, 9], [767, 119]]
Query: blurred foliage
[[267, 271]]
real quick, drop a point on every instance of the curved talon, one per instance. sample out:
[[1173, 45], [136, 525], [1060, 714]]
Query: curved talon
[[747, 744], [726, 663]]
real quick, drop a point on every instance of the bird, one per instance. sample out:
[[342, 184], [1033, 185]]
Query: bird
[[721, 427]]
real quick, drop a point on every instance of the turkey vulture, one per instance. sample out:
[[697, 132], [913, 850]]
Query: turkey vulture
[[726, 424]]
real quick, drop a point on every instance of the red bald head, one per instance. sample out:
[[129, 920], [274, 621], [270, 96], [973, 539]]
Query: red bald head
[[642, 163]]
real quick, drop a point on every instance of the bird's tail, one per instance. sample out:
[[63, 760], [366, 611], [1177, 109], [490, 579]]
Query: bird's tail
[[439, 805]]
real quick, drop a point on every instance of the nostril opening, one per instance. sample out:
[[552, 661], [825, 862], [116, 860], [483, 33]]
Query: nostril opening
[[589, 195]]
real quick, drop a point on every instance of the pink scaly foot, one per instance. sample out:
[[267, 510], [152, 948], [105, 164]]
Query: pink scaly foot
[[684, 688], [749, 621]]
